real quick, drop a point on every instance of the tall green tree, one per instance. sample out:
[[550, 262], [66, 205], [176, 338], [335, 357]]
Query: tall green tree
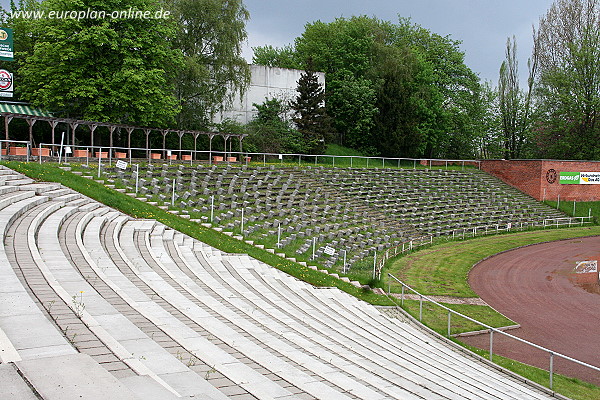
[[210, 34], [567, 44], [454, 90], [110, 69], [310, 115], [403, 102], [515, 106]]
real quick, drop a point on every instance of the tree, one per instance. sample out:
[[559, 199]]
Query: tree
[[270, 132], [453, 90], [567, 45], [284, 57], [354, 100], [209, 34], [109, 69], [400, 98], [514, 104], [310, 115]]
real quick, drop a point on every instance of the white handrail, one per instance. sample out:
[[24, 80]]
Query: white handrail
[[492, 330]]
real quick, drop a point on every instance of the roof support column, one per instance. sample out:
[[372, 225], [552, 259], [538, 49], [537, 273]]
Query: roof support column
[[147, 132], [111, 129], [129, 130], [31, 122], [73, 126], [7, 119], [164, 145], [195, 134]]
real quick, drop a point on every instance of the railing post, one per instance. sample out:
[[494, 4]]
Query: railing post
[[137, 177], [242, 224], [491, 343], [449, 322], [420, 308], [551, 370], [173, 194], [402, 296]]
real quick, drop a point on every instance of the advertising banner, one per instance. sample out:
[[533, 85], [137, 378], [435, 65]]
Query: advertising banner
[[6, 44], [569, 178], [579, 178]]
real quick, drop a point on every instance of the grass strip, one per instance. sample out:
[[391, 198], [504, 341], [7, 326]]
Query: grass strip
[[443, 269]]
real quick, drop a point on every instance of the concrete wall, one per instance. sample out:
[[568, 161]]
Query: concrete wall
[[265, 83], [531, 177]]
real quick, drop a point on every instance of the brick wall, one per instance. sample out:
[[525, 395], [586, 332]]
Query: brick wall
[[530, 176]]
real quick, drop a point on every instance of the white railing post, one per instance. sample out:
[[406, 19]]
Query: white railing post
[[137, 177], [551, 370], [491, 343]]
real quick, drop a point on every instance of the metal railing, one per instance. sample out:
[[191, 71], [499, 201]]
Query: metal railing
[[463, 233], [15, 148], [551, 353], [224, 156]]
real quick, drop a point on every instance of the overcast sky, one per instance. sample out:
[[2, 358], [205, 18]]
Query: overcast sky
[[482, 25]]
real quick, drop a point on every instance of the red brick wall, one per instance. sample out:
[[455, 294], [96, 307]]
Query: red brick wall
[[529, 176]]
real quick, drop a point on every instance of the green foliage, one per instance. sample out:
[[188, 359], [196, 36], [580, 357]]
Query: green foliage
[[209, 34], [403, 99], [514, 104], [284, 57], [567, 44], [270, 132], [309, 111], [98, 69], [376, 70], [353, 99]]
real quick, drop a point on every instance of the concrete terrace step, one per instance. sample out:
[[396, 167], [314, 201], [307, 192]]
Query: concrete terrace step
[[73, 377], [113, 328], [26, 331], [277, 335], [250, 380]]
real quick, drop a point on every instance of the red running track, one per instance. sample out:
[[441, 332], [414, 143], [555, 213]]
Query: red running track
[[534, 286]]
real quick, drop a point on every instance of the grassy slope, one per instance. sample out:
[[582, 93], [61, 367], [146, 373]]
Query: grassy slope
[[337, 150]]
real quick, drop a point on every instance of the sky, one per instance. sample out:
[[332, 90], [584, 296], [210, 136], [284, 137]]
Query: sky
[[482, 26]]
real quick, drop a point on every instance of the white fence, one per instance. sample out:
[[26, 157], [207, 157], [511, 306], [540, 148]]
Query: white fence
[[492, 331]]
